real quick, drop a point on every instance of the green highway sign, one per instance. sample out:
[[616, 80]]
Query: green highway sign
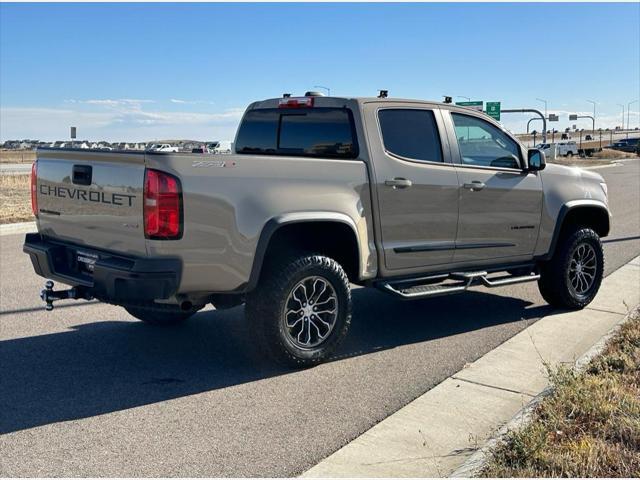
[[476, 105], [493, 110]]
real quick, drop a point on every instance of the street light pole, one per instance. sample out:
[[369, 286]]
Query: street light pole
[[621, 105], [324, 88], [463, 96], [594, 115], [545, 105], [628, 111]]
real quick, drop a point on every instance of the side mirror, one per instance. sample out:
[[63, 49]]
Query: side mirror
[[536, 160]]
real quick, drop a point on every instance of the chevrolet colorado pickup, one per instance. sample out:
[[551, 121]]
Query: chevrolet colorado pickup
[[411, 197]]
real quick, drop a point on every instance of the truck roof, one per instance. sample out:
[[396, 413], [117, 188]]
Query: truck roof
[[340, 101]]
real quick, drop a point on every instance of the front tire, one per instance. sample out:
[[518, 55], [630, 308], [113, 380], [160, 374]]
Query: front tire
[[301, 310], [158, 314], [572, 278]]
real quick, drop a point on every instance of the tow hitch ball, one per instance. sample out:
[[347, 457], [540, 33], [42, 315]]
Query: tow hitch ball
[[49, 296]]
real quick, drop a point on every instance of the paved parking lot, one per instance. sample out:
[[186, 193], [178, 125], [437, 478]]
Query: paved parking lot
[[86, 390]]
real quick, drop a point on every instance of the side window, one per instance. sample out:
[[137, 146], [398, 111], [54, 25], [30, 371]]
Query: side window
[[410, 133], [483, 144]]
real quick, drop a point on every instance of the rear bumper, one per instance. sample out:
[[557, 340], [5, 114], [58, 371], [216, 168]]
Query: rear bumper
[[115, 278]]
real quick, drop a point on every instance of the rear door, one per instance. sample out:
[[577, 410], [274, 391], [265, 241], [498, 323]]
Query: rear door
[[500, 202], [416, 184], [92, 198]]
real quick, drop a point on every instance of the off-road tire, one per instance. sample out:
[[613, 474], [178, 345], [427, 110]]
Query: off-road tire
[[157, 314], [265, 306], [554, 283]]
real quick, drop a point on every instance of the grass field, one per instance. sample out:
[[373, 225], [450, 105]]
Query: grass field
[[613, 154], [17, 156], [15, 199], [589, 426]]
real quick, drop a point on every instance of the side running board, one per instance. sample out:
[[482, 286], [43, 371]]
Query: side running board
[[453, 283]]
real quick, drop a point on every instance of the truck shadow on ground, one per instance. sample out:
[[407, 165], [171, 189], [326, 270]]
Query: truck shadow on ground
[[104, 366]]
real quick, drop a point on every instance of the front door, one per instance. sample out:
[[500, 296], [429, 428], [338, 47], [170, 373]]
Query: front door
[[500, 201], [416, 185]]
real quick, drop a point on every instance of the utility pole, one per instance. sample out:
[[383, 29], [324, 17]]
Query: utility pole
[[594, 115], [545, 105], [600, 138], [581, 138]]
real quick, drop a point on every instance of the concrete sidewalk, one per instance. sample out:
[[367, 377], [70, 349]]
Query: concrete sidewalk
[[437, 432]]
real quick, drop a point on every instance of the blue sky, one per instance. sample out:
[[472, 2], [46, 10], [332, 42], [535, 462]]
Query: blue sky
[[145, 71]]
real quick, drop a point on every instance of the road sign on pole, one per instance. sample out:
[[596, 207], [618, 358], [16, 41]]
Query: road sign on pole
[[476, 105], [573, 117], [493, 110], [553, 117], [73, 132]]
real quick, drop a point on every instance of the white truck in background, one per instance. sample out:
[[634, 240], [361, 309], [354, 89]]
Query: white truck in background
[[163, 147], [222, 146]]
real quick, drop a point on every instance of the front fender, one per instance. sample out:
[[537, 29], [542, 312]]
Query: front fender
[[572, 206]]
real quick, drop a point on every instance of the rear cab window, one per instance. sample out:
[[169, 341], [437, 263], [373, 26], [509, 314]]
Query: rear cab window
[[305, 132]]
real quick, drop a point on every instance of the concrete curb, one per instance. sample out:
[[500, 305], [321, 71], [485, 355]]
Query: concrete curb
[[15, 228], [450, 428], [476, 462]]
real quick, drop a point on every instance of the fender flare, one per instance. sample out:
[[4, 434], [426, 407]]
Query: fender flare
[[564, 210], [275, 223]]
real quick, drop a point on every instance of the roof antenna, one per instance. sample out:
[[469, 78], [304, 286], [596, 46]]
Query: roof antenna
[[448, 99], [383, 94], [286, 95]]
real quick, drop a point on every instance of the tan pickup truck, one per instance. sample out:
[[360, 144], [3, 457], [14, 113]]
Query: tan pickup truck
[[411, 197]]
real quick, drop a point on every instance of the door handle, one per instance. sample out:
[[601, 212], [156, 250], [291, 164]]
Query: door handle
[[474, 186], [398, 183]]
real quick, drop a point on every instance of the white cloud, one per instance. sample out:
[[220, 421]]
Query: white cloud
[[190, 102], [121, 119]]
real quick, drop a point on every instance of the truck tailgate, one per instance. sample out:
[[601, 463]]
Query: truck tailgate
[[92, 198]]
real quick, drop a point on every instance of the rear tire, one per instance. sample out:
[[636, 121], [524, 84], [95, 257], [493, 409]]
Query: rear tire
[[157, 314], [572, 278], [288, 326]]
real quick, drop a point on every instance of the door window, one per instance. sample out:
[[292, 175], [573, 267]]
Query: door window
[[410, 133], [483, 144]]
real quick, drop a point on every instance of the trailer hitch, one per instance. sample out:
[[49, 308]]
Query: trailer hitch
[[49, 296]]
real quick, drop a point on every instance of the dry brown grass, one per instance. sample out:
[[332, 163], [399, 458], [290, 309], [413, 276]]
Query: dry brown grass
[[613, 154], [17, 156], [15, 199], [589, 426]]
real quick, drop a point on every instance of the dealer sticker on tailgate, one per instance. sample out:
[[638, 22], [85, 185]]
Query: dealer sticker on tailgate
[[86, 259]]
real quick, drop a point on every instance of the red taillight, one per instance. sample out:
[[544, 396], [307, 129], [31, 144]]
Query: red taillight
[[295, 102], [162, 206], [34, 188]]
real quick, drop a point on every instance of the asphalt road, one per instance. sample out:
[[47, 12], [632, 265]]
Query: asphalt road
[[15, 168], [86, 390]]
